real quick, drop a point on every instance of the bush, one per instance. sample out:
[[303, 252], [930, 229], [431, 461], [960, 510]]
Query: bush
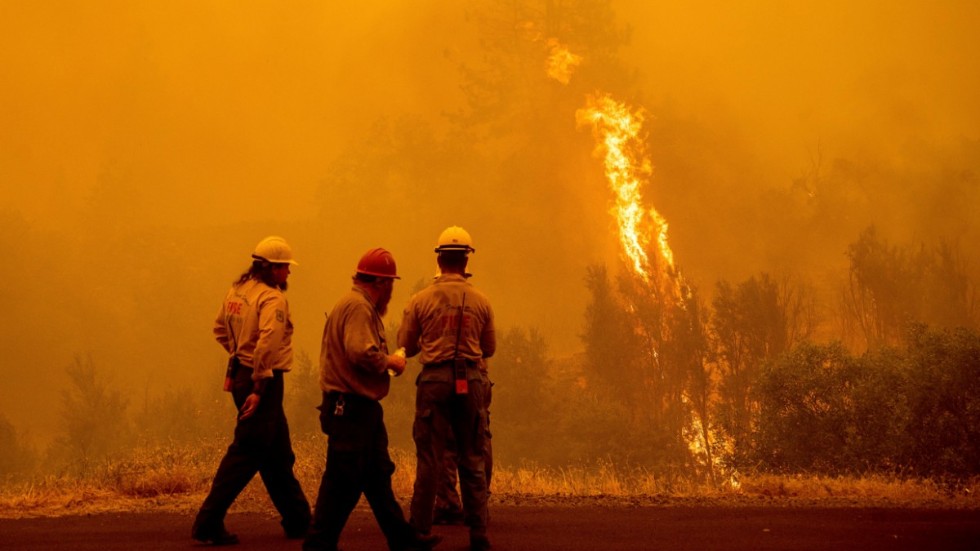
[[944, 424], [824, 411]]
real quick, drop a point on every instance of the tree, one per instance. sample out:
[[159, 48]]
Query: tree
[[16, 455], [691, 348], [753, 323], [943, 428], [880, 290], [173, 416], [892, 287], [523, 407], [303, 395], [803, 410], [646, 355], [94, 424], [612, 347], [823, 410], [950, 296]]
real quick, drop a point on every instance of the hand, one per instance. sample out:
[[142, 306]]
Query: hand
[[251, 404], [396, 363]]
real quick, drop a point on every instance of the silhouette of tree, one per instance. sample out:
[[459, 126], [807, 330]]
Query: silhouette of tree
[[16, 455], [94, 422], [753, 323]]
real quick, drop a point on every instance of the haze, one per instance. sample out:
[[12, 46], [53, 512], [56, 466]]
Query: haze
[[146, 147]]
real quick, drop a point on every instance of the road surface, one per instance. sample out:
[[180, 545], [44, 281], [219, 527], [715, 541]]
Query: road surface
[[545, 528]]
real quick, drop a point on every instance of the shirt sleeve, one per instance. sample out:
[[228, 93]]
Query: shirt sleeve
[[408, 332], [221, 333], [361, 342], [488, 338], [273, 316]]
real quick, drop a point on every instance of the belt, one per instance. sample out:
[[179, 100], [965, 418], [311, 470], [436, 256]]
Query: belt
[[449, 363], [334, 394]]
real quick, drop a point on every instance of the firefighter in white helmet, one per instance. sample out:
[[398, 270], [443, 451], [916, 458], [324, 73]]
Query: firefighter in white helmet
[[448, 508], [254, 327], [449, 324]]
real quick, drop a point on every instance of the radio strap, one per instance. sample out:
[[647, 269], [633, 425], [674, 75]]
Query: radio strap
[[459, 365]]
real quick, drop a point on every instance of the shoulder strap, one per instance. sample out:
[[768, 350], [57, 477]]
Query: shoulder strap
[[459, 326]]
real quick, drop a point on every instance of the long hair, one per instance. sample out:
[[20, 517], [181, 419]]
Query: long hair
[[262, 271]]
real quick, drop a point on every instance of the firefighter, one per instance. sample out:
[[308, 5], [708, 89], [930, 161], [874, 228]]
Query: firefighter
[[254, 327], [450, 325], [354, 377]]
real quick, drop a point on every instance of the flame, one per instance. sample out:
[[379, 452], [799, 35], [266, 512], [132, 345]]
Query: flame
[[642, 231], [617, 131], [561, 62]]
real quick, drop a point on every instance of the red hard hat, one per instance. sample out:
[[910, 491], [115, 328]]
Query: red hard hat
[[377, 262]]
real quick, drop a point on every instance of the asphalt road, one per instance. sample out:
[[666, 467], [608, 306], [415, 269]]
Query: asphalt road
[[542, 528]]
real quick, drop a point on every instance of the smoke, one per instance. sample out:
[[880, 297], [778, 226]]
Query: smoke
[[147, 148]]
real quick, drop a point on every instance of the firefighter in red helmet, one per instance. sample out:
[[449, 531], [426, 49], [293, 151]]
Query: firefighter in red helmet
[[354, 377], [449, 324]]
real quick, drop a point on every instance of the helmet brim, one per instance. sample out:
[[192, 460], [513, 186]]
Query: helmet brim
[[290, 261], [373, 274]]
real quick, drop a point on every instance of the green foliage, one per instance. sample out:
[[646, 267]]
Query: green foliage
[[612, 348], [750, 326], [804, 410], [879, 410], [944, 397], [523, 405], [825, 411]]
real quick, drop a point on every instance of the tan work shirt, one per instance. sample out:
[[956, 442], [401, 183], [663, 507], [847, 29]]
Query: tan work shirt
[[353, 353], [431, 322], [254, 325]]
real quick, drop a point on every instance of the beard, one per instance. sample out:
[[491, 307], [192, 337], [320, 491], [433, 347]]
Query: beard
[[382, 305]]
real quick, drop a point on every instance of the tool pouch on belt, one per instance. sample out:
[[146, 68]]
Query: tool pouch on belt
[[233, 365], [459, 374]]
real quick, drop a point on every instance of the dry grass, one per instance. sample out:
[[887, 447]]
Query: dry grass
[[176, 478]]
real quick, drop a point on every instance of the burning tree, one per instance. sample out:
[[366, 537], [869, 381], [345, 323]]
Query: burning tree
[[671, 379]]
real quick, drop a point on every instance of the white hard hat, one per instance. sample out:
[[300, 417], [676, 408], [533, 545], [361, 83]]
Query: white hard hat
[[454, 238], [274, 249]]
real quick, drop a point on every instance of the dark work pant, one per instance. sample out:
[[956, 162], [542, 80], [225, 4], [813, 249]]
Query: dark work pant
[[357, 463], [439, 413], [262, 446], [447, 498]]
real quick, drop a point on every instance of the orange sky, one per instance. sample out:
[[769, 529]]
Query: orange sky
[[226, 112]]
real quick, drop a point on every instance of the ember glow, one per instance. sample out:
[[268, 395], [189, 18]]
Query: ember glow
[[561, 62]]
